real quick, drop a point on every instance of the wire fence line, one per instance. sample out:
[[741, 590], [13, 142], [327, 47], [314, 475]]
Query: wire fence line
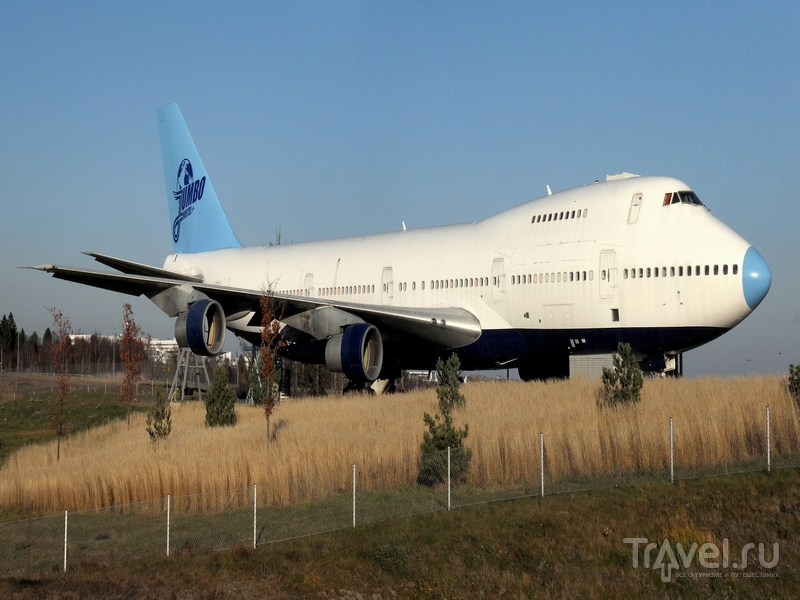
[[557, 462]]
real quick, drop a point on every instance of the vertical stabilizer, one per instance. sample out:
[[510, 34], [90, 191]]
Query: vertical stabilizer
[[198, 223]]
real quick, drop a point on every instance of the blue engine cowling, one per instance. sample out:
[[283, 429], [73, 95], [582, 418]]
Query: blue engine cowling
[[358, 353], [201, 328]]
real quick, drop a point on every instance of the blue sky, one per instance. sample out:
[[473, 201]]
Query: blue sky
[[341, 118]]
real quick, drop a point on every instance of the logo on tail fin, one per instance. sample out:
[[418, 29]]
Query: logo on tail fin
[[187, 192]]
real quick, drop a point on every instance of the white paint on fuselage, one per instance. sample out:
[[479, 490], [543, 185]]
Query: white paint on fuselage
[[676, 236]]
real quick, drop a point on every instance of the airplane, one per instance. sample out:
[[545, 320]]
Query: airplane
[[537, 287]]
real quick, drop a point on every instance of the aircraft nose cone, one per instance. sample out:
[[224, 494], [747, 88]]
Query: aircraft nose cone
[[756, 277]]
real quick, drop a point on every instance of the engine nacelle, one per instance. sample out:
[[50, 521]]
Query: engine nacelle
[[358, 353], [201, 328]]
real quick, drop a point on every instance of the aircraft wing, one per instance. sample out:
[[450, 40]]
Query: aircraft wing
[[447, 327]]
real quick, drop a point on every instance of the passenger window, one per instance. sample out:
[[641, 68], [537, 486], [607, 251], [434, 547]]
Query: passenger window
[[422, 285], [655, 272], [663, 271], [680, 271], [547, 277], [603, 274], [689, 271], [585, 212], [735, 269], [591, 273], [573, 214], [706, 270], [724, 269], [584, 275], [625, 274], [559, 276], [716, 269], [560, 216], [513, 280], [550, 217], [615, 314], [578, 216], [697, 270], [633, 273], [672, 271], [571, 276], [648, 271]]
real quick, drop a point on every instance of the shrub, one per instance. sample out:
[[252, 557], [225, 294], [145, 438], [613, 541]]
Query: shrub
[[220, 400], [159, 417], [623, 383], [794, 383]]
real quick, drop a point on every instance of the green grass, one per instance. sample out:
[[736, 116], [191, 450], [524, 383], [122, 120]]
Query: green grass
[[26, 420], [565, 545]]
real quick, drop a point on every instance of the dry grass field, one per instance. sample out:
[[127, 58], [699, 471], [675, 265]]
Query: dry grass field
[[317, 441]]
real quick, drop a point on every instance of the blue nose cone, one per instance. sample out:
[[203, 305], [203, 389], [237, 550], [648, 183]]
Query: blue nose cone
[[756, 277]]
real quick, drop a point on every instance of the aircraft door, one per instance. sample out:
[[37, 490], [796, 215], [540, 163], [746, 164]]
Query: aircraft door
[[633, 214], [498, 279], [608, 274], [309, 285], [387, 286]]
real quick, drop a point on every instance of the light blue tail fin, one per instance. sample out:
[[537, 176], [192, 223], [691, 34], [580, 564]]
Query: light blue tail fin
[[198, 222]]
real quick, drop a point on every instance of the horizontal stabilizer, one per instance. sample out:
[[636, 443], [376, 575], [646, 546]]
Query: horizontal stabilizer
[[134, 268]]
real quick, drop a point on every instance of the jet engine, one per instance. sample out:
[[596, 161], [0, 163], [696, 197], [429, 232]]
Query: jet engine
[[358, 352], [201, 328]]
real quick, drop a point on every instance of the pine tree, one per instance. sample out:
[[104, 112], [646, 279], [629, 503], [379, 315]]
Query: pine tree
[[794, 383], [442, 434], [220, 400], [623, 383], [159, 417]]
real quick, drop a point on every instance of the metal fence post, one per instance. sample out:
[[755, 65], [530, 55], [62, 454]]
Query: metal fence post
[[65, 541], [255, 497], [541, 460], [671, 454], [168, 524], [354, 495], [448, 478], [769, 449]]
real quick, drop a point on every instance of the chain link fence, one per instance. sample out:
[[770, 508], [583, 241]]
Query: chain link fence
[[547, 463]]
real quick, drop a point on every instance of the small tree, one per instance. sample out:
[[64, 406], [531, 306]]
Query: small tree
[[132, 355], [159, 417], [794, 383], [442, 434], [622, 384], [220, 400], [61, 355], [271, 342]]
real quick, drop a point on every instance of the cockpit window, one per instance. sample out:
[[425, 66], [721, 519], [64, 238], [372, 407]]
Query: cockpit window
[[681, 197], [690, 198]]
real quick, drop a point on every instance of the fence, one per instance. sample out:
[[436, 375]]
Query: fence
[[557, 462]]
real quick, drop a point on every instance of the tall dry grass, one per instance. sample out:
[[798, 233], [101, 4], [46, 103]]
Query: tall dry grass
[[318, 440]]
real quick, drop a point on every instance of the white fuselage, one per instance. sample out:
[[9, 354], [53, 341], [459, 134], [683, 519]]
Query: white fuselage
[[604, 256]]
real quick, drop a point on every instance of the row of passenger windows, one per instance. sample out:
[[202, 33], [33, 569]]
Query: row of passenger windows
[[642, 272], [552, 277], [347, 289], [443, 284], [558, 216], [469, 282]]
